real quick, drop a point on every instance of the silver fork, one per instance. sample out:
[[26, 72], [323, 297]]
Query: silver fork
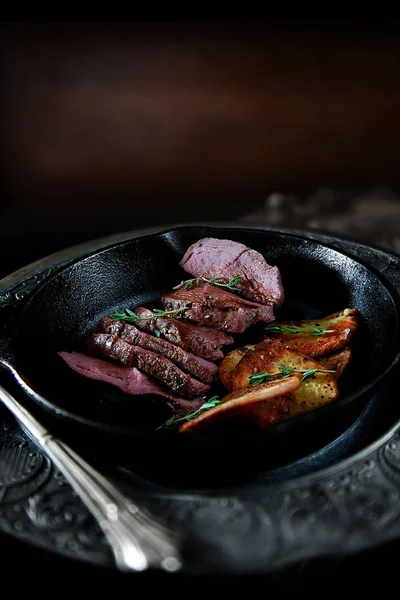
[[138, 541]]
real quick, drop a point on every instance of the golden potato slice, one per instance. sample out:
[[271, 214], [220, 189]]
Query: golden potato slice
[[241, 401], [271, 412], [338, 361], [265, 414], [273, 358], [229, 363], [317, 337]]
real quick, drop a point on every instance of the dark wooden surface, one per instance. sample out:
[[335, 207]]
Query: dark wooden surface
[[124, 108], [109, 126]]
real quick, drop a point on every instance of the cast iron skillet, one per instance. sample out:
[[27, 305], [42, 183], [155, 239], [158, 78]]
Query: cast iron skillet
[[317, 280]]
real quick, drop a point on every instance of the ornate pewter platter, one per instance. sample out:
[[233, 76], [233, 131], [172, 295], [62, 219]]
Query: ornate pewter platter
[[339, 500]]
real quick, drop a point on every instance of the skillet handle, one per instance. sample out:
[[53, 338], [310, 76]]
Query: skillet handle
[[137, 540]]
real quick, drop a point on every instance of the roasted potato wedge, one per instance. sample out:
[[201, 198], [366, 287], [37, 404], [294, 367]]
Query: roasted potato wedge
[[315, 391], [270, 411], [318, 337], [229, 363], [318, 345], [265, 413], [338, 361], [277, 393]]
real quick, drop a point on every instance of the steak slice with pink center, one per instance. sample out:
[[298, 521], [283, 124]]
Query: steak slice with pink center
[[213, 257], [112, 347], [215, 307], [202, 341], [202, 369], [128, 379]]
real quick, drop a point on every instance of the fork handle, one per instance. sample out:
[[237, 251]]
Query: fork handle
[[138, 541]]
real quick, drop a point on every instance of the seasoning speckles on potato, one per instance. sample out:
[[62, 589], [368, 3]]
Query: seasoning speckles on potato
[[230, 362], [271, 357]]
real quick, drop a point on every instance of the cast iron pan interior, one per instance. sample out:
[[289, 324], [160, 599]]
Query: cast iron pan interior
[[317, 280]]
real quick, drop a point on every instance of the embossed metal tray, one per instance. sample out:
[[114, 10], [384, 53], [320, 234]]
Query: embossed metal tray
[[340, 498]]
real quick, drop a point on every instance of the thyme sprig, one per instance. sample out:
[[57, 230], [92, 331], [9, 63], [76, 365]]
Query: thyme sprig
[[131, 317], [218, 281], [284, 373], [296, 329], [173, 421]]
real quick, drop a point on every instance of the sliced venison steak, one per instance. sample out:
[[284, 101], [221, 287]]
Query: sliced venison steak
[[202, 369], [113, 347], [128, 379], [215, 307], [202, 341], [213, 257]]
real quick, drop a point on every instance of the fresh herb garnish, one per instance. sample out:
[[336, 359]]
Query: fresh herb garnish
[[296, 329], [174, 420], [131, 317], [285, 371], [218, 281]]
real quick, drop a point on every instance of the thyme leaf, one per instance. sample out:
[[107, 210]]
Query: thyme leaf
[[173, 421], [131, 317], [218, 281], [282, 329], [296, 329], [284, 373], [127, 315]]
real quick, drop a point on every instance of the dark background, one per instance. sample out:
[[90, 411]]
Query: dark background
[[107, 127]]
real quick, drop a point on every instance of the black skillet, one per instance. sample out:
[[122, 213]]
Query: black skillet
[[317, 279]]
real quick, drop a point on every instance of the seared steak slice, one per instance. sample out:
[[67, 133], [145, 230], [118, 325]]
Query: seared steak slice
[[203, 341], [113, 347], [213, 306], [212, 257], [129, 380], [200, 368]]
